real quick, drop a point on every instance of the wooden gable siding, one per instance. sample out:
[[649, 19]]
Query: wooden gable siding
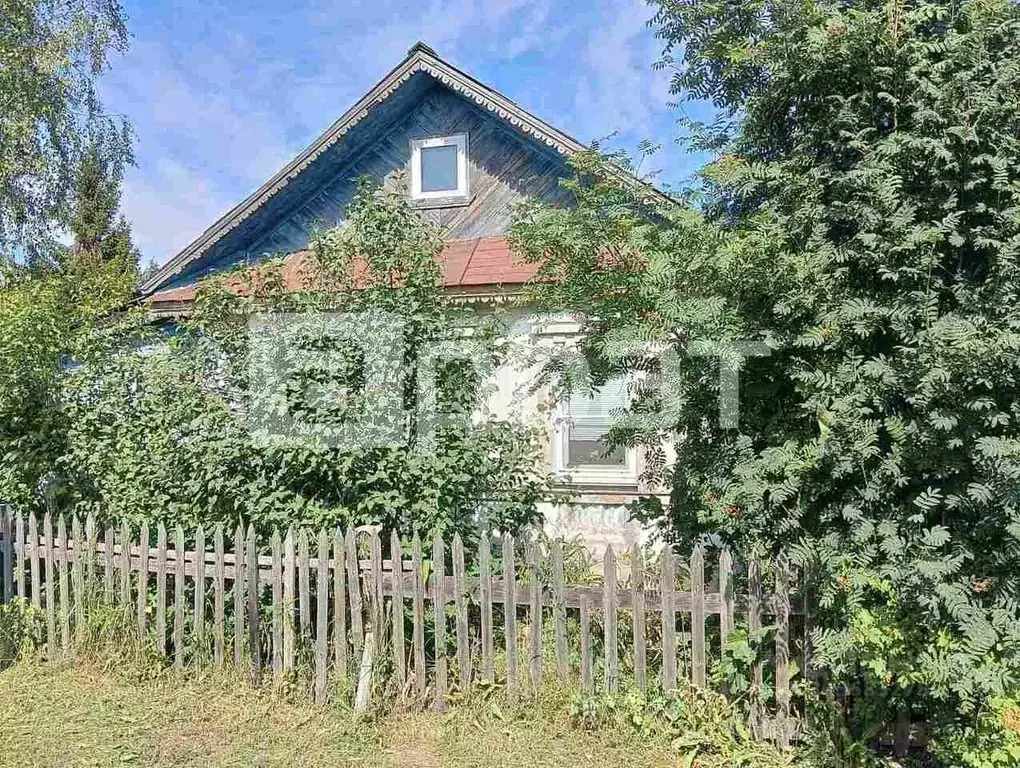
[[503, 167]]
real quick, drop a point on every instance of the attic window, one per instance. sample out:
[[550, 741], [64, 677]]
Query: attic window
[[439, 172]]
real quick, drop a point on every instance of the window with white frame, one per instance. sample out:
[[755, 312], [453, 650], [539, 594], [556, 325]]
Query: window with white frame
[[439, 168], [580, 446]]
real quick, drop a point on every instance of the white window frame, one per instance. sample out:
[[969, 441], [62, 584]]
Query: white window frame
[[587, 474], [459, 140]]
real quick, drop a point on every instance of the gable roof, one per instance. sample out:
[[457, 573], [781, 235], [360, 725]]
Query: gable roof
[[420, 59]]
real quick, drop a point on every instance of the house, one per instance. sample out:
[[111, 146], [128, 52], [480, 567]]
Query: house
[[470, 152]]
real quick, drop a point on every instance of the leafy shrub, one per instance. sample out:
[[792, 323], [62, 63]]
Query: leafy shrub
[[20, 629], [700, 725]]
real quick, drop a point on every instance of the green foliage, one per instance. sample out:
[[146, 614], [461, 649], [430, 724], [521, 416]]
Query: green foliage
[[20, 627], [861, 224], [700, 726], [51, 53], [178, 434]]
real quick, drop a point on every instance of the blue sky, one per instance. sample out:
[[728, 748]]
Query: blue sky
[[221, 93]]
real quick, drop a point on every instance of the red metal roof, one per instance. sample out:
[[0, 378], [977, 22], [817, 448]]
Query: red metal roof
[[475, 263]]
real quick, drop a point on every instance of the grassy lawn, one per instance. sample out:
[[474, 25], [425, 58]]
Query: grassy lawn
[[91, 716]]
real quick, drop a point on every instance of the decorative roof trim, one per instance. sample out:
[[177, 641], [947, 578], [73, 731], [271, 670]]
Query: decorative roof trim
[[420, 58]]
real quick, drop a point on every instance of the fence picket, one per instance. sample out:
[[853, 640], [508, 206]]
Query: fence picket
[[610, 621], [125, 567], [378, 608], [251, 563], [219, 638], [288, 607], [8, 566], [108, 561], [460, 603], [238, 589], [559, 611], [91, 546], [321, 617], [399, 657], [33, 550], [535, 615], [439, 608], [510, 612], [277, 576], [199, 617], [179, 565], [637, 579], [698, 616], [666, 590], [51, 598], [339, 606], [782, 599], [161, 588], [485, 594], [586, 644], [19, 532], [65, 607], [143, 579], [418, 616], [726, 598], [354, 592], [78, 574], [304, 587], [754, 625]]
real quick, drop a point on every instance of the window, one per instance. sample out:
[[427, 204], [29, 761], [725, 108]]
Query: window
[[439, 171], [580, 448]]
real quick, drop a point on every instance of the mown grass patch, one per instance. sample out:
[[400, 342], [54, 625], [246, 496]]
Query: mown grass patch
[[97, 716]]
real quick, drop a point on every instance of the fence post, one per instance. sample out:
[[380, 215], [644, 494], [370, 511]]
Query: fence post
[[109, 558], [201, 648], [439, 608], [378, 605]]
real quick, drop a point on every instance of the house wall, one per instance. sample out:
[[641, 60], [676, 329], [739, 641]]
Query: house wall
[[503, 167]]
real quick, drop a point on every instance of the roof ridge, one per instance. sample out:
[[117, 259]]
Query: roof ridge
[[420, 58]]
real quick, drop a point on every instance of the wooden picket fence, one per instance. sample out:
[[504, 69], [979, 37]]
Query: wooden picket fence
[[330, 591]]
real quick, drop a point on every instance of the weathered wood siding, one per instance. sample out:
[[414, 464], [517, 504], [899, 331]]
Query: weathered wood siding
[[504, 166]]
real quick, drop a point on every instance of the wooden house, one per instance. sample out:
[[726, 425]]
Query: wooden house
[[470, 152]]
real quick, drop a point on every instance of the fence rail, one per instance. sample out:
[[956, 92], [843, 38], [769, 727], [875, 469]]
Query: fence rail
[[323, 592]]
